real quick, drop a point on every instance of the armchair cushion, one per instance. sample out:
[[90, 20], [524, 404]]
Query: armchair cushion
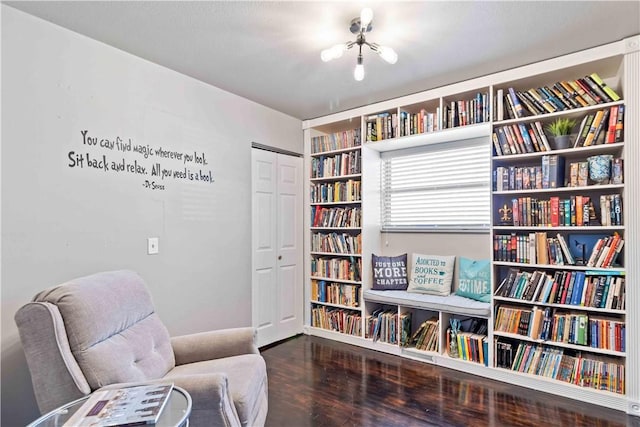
[[113, 331]]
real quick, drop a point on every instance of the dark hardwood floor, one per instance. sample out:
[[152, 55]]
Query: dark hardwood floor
[[322, 383]]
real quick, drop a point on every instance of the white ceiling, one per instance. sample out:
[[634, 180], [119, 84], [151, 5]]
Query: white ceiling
[[269, 51]]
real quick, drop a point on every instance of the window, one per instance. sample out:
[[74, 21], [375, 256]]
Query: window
[[441, 187]]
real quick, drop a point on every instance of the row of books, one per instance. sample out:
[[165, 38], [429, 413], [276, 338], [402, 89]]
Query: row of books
[[336, 166], [520, 321], [607, 292], [336, 217], [385, 325], [332, 192], [560, 96], [532, 248], [335, 293], [337, 268], [507, 178], [574, 211], [467, 112], [520, 138], [579, 173], [547, 361], [388, 125], [336, 319], [420, 122], [604, 126], [472, 347], [426, 337], [381, 126], [538, 248], [575, 288], [579, 329], [610, 209], [606, 251], [551, 174], [343, 243], [608, 334], [525, 285], [555, 363], [562, 327], [593, 373], [553, 212], [335, 141]]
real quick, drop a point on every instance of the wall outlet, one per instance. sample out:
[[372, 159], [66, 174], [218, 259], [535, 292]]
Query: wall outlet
[[152, 245]]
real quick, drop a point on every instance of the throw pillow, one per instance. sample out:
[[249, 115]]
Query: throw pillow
[[431, 274], [474, 279], [389, 272]]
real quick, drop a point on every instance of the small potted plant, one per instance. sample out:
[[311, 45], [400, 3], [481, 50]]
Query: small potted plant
[[560, 130]]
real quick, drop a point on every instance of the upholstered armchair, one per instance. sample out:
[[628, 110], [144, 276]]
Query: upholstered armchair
[[102, 329]]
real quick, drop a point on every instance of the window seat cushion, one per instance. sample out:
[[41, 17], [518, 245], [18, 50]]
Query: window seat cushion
[[450, 303]]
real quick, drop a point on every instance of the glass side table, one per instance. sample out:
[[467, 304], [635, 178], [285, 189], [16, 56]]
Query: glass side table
[[175, 413]]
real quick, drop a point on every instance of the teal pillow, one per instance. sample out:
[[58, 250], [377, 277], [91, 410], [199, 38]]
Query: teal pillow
[[474, 279]]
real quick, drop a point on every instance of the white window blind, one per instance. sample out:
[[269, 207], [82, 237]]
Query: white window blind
[[440, 187]]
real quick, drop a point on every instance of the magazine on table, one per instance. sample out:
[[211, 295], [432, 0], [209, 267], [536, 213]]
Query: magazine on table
[[128, 406]]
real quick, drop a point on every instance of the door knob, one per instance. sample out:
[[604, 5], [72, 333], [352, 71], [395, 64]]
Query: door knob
[[279, 257]]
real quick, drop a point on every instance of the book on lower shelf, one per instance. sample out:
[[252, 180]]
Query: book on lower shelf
[[584, 370], [335, 293], [426, 336], [336, 319], [467, 340], [384, 324], [127, 406]]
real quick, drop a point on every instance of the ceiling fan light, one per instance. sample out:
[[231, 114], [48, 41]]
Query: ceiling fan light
[[366, 16], [388, 54], [358, 72], [359, 26], [326, 55], [333, 52]]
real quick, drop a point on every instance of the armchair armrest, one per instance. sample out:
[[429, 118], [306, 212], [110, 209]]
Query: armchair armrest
[[214, 345]]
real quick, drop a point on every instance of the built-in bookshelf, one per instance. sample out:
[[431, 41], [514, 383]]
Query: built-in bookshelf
[[335, 231], [559, 233], [563, 242]]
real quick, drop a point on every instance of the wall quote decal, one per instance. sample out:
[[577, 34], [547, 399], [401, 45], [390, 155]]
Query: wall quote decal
[[155, 164]]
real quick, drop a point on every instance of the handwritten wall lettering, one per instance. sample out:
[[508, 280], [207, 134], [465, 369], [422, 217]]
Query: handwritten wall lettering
[[155, 164]]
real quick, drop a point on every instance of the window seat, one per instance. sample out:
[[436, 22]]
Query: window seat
[[450, 304]]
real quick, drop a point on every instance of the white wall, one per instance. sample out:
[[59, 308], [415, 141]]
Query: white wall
[[61, 222]]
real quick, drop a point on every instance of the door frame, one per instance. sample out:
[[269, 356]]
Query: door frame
[[301, 242]]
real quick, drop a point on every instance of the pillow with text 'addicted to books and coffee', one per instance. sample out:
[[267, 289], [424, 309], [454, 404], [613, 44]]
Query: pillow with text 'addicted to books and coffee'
[[431, 274], [389, 272], [474, 279]]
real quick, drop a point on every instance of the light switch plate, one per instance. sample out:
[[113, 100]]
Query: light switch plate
[[152, 245]]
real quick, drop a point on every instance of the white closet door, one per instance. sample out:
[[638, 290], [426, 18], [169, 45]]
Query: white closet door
[[277, 298]]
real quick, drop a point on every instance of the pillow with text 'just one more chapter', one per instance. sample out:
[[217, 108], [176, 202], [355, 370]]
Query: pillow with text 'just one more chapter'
[[431, 274], [389, 272], [474, 279]]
